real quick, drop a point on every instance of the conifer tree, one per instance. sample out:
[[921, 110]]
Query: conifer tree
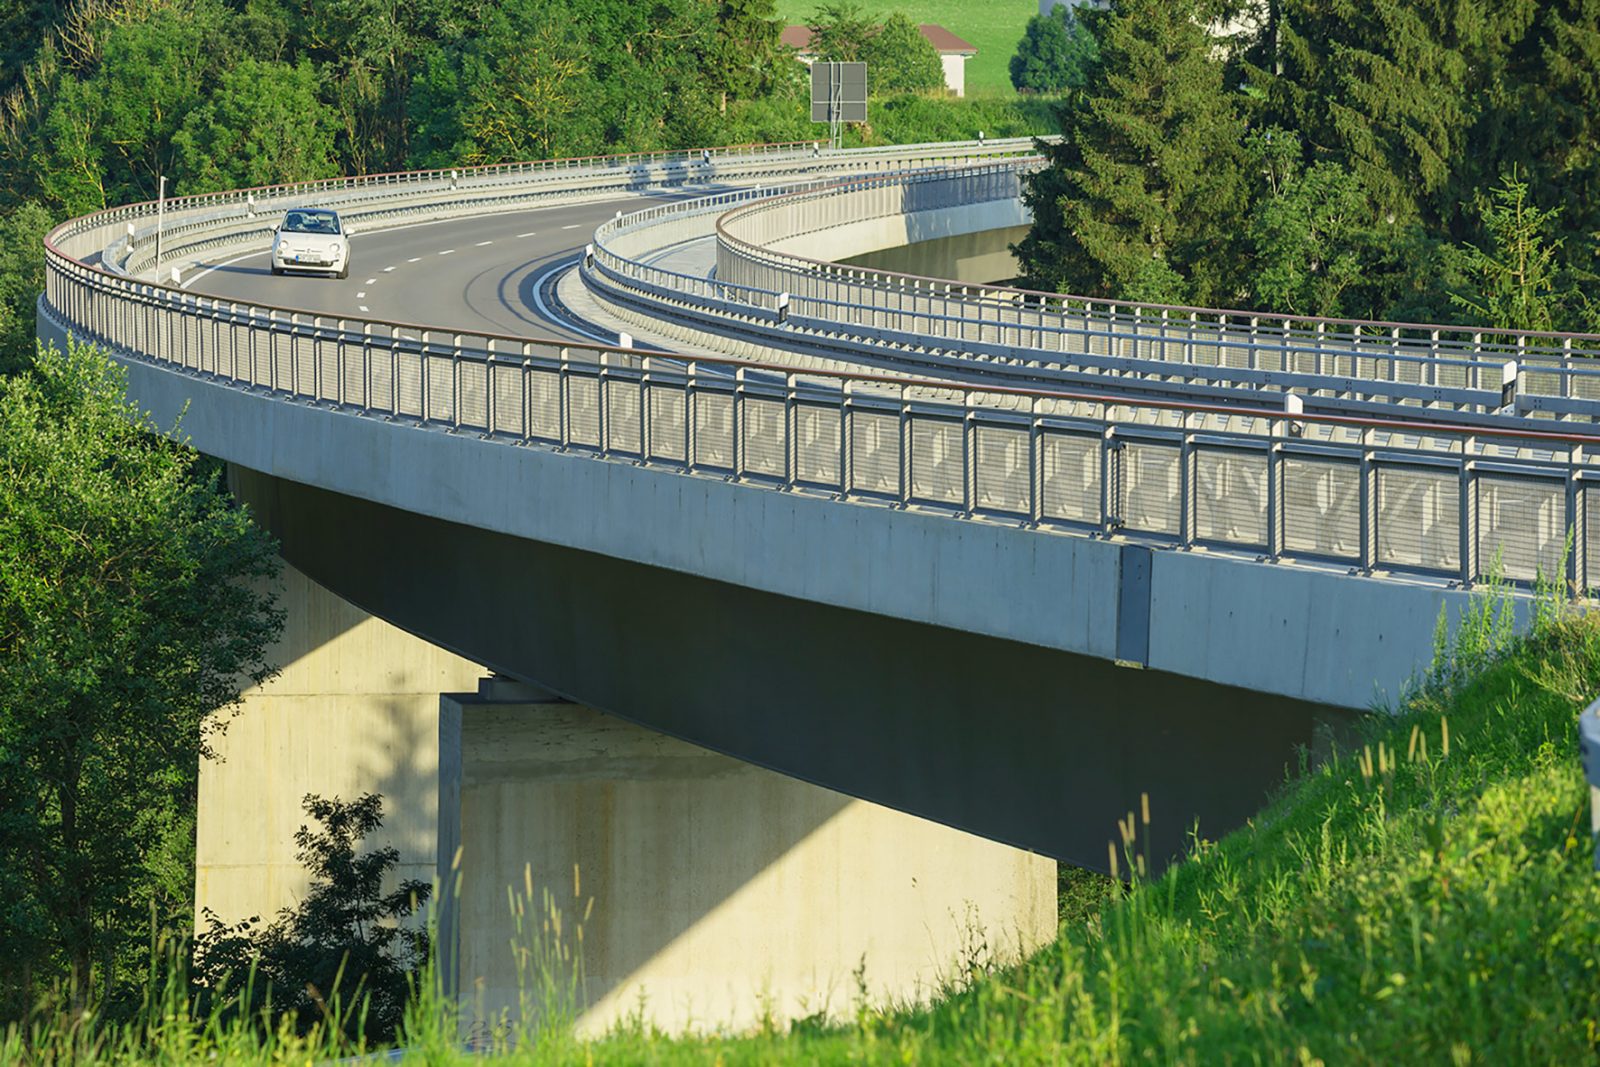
[[1142, 195]]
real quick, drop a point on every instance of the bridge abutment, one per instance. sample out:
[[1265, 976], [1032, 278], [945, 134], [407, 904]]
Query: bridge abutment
[[712, 894]]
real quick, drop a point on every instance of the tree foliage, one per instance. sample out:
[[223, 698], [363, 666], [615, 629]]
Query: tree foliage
[[899, 59], [1055, 54], [133, 603], [347, 944], [1146, 187]]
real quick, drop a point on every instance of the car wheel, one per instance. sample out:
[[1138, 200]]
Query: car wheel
[[345, 273], [277, 270]]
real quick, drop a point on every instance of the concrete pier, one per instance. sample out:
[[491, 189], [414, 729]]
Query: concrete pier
[[712, 894]]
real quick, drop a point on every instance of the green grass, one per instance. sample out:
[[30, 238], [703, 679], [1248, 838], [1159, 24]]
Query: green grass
[[993, 28], [1424, 896]]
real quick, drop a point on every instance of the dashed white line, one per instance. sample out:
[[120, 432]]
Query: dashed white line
[[386, 270], [574, 226], [414, 259], [447, 251], [363, 307], [482, 243], [361, 294], [530, 233], [372, 281]]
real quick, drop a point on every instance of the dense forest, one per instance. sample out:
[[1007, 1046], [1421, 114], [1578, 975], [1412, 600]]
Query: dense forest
[[1423, 160]]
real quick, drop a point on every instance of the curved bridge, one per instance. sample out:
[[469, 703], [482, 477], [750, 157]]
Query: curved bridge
[[902, 554]]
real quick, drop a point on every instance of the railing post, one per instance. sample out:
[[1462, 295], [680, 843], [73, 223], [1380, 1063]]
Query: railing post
[[905, 446], [366, 367], [644, 410], [846, 442], [1035, 464], [1577, 527], [691, 372], [1467, 514], [1187, 504], [969, 456], [455, 382], [791, 431], [294, 354], [1368, 491], [1110, 480], [602, 404], [489, 392], [394, 373], [564, 398], [424, 373], [737, 459]]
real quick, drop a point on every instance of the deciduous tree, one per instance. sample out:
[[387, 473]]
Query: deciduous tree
[[134, 602]]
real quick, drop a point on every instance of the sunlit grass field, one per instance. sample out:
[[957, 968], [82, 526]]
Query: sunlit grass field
[[993, 28]]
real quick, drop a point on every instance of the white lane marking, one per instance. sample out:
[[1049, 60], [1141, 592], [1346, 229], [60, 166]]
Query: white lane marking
[[372, 281], [447, 251], [574, 226], [530, 233], [386, 270], [361, 294], [363, 307], [414, 259], [482, 243]]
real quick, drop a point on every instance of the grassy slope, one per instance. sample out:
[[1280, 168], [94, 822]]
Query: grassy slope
[[993, 28], [1419, 902]]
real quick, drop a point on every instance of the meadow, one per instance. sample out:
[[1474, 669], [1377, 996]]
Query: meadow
[[993, 29]]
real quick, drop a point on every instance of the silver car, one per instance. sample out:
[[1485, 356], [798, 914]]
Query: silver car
[[311, 239]]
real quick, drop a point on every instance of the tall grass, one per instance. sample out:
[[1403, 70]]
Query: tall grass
[[1424, 895]]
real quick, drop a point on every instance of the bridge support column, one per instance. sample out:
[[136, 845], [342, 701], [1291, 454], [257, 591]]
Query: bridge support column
[[354, 708], [712, 894]]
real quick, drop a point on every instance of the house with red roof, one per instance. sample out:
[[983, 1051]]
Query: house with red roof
[[953, 51]]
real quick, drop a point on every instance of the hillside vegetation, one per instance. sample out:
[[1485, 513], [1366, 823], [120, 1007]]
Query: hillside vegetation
[[1425, 895]]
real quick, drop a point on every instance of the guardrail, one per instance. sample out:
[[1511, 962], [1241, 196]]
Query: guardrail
[[1056, 350], [1558, 374], [1378, 496], [1374, 495]]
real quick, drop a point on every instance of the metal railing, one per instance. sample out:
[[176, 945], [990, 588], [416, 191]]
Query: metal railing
[[1558, 371], [1373, 495], [944, 335]]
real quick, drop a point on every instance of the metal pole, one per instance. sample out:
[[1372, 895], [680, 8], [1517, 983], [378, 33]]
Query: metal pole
[[161, 211]]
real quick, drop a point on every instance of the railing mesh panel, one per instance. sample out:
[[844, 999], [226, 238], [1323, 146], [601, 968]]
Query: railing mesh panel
[[1419, 518], [1150, 487], [937, 469], [1322, 507], [1002, 469], [474, 394], [622, 415], [667, 421], [354, 362], [583, 409], [875, 452], [765, 438], [1230, 497], [508, 398], [1070, 480], [441, 380], [410, 372], [544, 404], [817, 444], [713, 430], [1524, 520]]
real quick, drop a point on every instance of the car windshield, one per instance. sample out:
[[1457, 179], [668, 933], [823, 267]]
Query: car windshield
[[311, 222]]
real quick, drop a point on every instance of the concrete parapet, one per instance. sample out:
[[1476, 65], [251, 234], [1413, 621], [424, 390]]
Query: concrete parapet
[[712, 894]]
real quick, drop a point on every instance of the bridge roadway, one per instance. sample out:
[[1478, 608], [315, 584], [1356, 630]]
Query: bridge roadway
[[958, 667], [473, 274]]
